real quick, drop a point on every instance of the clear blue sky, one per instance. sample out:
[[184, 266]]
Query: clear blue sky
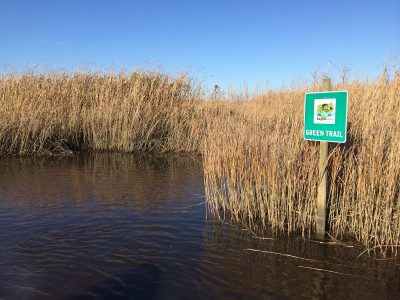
[[218, 41]]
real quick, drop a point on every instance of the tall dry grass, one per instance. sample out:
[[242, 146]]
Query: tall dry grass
[[257, 167], [42, 113], [259, 170]]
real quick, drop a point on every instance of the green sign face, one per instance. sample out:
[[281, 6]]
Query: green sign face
[[325, 116]]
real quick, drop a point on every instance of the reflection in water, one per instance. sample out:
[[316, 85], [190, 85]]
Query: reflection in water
[[293, 268], [142, 180], [126, 226]]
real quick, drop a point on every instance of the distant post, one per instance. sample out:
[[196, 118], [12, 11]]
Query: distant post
[[323, 176]]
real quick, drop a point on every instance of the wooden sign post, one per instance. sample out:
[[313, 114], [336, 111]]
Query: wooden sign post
[[323, 177], [325, 120]]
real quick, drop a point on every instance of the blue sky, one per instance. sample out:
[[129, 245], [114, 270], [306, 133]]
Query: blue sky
[[217, 41]]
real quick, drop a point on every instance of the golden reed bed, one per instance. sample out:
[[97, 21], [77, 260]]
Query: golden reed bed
[[257, 167], [259, 170]]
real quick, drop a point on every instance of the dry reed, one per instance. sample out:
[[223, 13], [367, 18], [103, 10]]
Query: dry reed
[[47, 113], [258, 169]]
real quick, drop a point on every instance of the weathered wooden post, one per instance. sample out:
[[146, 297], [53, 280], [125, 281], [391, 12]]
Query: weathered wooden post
[[323, 177]]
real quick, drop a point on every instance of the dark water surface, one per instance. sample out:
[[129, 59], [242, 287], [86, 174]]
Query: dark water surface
[[125, 226]]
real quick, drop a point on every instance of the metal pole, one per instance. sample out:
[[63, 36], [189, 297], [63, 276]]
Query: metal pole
[[323, 177]]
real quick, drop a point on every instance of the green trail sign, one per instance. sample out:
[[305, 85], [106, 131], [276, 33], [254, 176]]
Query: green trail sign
[[325, 116]]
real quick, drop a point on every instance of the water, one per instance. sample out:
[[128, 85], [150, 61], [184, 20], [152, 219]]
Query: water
[[125, 226]]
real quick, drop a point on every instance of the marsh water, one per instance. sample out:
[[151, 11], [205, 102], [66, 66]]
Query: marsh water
[[130, 226]]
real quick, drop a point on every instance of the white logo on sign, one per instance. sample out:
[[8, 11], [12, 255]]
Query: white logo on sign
[[324, 111]]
